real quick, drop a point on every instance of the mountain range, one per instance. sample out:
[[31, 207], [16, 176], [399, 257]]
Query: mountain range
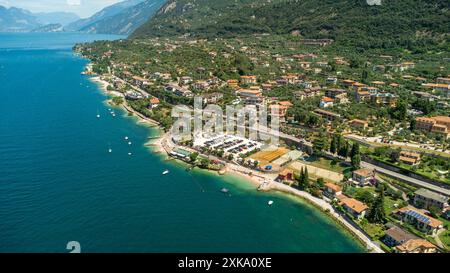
[[21, 20], [349, 22], [120, 18]]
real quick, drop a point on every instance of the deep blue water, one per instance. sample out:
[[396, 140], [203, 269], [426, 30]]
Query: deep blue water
[[58, 183]]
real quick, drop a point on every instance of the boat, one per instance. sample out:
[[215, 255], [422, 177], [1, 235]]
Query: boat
[[165, 172], [126, 138], [224, 190], [129, 153], [270, 203], [129, 142], [110, 150]]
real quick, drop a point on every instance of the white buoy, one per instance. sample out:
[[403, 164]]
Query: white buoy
[[126, 138], [110, 150], [129, 142], [129, 153], [270, 203]]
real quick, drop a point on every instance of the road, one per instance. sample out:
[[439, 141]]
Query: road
[[416, 182]]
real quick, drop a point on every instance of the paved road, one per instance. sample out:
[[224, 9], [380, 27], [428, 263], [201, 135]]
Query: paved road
[[416, 182]]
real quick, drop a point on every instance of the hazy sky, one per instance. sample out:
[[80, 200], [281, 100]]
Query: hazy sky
[[84, 8]]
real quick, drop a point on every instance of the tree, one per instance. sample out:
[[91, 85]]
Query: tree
[[302, 179], [356, 161], [193, 156], [333, 145], [320, 182], [204, 163], [412, 125], [377, 211], [364, 76], [355, 150], [355, 156], [319, 145], [343, 150], [400, 111]]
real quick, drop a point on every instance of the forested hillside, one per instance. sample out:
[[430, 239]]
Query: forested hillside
[[350, 22]]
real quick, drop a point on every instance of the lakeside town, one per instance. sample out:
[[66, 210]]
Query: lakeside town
[[366, 138]]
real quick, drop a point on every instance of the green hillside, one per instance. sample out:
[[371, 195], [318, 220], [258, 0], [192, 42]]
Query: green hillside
[[349, 22]]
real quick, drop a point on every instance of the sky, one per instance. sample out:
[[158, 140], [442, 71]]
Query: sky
[[84, 8]]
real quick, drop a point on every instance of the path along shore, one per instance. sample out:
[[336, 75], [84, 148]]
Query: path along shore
[[260, 180]]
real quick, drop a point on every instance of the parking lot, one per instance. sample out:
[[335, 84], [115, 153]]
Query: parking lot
[[229, 144]]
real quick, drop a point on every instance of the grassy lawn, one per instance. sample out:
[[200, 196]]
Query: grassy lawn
[[445, 238], [445, 235], [327, 164], [375, 231]]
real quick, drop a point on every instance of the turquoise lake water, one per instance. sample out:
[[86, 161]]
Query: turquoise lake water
[[58, 183]]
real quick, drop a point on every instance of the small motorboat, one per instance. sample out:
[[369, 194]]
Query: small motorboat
[[110, 151], [165, 172], [270, 203], [126, 138], [130, 154], [224, 190], [129, 142]]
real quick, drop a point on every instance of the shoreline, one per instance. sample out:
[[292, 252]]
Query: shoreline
[[263, 182]]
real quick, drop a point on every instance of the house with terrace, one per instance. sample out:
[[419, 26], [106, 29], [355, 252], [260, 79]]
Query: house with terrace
[[419, 220]]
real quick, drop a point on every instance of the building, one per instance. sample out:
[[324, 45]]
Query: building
[[212, 98], [419, 219], [443, 80], [248, 79], [326, 102], [133, 95], [348, 83], [362, 177], [359, 124], [354, 207], [384, 99], [201, 85], [305, 65], [139, 81], [185, 80], [330, 116], [316, 42], [396, 236], [338, 95], [154, 102], [179, 91], [285, 175], [279, 111], [362, 96], [438, 125], [233, 83], [441, 87], [332, 190], [409, 158], [416, 246], [427, 199], [251, 97], [446, 213]]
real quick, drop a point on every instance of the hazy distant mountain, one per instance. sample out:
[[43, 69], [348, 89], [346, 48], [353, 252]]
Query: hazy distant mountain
[[17, 20], [49, 28], [62, 18], [103, 14], [127, 20], [21, 20]]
